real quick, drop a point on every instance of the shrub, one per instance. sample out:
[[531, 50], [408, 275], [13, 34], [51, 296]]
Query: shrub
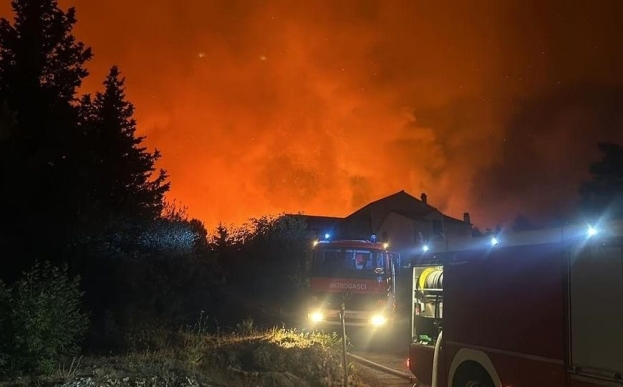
[[43, 320]]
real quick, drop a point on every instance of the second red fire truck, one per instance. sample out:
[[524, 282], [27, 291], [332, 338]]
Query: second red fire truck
[[534, 308], [358, 274]]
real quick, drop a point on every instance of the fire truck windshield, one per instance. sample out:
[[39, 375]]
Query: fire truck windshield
[[349, 262]]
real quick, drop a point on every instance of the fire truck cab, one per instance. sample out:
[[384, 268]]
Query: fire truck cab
[[533, 308], [358, 274]]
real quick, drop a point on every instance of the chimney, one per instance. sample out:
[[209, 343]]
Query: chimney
[[466, 218], [423, 198]]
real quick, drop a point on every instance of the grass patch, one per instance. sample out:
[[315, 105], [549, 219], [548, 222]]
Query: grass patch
[[246, 357]]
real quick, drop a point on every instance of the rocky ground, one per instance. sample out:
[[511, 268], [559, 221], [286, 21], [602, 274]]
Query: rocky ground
[[275, 358]]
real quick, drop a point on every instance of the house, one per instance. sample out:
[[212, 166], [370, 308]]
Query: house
[[404, 221]]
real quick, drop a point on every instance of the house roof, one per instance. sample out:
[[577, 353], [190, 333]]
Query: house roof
[[370, 217], [414, 205], [450, 219], [401, 202], [418, 216]]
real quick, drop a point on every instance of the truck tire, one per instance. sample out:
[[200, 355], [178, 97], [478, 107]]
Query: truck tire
[[472, 374]]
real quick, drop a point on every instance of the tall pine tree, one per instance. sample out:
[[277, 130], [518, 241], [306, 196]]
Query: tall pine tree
[[126, 192], [41, 65], [126, 179]]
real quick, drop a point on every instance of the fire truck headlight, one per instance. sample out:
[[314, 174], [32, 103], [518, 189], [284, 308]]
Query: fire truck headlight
[[378, 319], [316, 317]]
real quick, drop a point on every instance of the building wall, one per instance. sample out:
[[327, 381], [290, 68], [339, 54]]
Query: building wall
[[398, 230], [458, 230], [407, 235]]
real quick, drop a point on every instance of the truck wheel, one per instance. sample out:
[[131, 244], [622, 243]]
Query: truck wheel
[[471, 374]]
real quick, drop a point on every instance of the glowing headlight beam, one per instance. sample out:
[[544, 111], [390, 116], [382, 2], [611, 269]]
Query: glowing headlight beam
[[316, 317], [378, 319]]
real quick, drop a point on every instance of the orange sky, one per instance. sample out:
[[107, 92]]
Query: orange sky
[[262, 107]]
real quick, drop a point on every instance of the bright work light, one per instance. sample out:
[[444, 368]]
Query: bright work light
[[316, 316], [378, 319]]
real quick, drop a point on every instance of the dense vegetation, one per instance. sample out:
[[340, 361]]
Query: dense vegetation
[[93, 258]]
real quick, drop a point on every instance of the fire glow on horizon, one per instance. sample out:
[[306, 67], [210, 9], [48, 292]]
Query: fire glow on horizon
[[263, 107]]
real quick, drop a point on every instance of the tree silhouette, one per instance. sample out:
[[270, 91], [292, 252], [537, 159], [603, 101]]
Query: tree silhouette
[[40, 54], [123, 170], [41, 65], [602, 196]]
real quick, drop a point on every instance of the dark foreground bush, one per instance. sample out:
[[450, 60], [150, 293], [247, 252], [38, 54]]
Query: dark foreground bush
[[40, 320]]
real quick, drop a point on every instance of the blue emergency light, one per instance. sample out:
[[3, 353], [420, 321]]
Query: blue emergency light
[[592, 231]]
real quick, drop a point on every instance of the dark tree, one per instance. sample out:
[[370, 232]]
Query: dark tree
[[41, 65], [125, 181], [602, 196]]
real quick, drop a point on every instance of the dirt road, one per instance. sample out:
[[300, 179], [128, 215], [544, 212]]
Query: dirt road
[[382, 378], [388, 349]]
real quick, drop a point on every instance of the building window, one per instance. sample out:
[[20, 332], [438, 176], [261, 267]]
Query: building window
[[437, 228]]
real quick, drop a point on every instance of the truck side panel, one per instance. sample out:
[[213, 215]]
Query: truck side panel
[[509, 300], [596, 302]]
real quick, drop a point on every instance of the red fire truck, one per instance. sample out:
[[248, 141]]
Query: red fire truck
[[533, 308], [359, 274]]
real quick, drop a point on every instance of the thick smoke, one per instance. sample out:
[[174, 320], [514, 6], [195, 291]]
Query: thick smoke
[[321, 106], [550, 141]]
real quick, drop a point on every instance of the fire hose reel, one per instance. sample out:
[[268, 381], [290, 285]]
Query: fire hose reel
[[431, 278]]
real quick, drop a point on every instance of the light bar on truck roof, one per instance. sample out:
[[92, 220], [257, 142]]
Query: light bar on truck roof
[[570, 233]]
